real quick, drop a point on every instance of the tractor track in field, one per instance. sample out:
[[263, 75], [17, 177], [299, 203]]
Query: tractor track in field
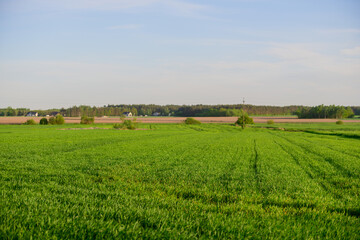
[[352, 212], [255, 160], [345, 172], [295, 158], [341, 135], [308, 173], [255, 167], [335, 150], [319, 174]]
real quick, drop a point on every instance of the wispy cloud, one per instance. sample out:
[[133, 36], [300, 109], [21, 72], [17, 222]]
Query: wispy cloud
[[312, 61], [351, 51], [178, 7], [125, 26], [294, 75], [213, 42], [184, 7], [245, 65], [87, 4], [340, 31]]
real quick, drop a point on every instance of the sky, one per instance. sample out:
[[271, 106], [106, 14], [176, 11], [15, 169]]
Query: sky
[[57, 54]]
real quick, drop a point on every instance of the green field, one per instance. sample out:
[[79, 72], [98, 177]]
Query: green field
[[176, 181]]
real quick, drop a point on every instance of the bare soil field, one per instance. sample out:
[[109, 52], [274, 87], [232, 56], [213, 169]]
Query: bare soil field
[[20, 120]]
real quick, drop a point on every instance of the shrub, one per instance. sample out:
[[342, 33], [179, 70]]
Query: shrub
[[30, 122], [191, 121], [130, 124], [126, 124], [244, 117], [270, 121], [44, 121], [52, 121], [87, 120], [247, 119], [339, 122], [59, 120]]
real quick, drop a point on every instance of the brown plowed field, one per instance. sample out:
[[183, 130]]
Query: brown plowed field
[[19, 120]]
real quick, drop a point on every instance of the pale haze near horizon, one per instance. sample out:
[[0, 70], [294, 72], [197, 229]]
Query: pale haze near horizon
[[63, 53]]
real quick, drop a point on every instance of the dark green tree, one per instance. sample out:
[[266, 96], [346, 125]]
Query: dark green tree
[[191, 121], [244, 119], [59, 120], [44, 121]]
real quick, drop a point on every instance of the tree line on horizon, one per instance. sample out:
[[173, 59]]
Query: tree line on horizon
[[199, 110], [323, 111]]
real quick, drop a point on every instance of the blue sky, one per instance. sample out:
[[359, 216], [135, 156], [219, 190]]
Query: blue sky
[[272, 52]]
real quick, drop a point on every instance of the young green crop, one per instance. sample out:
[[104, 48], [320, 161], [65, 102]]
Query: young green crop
[[179, 181]]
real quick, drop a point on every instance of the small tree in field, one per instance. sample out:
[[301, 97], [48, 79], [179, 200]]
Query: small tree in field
[[44, 121], [191, 121], [87, 120], [244, 119], [270, 121], [52, 121], [59, 120], [126, 124], [30, 122]]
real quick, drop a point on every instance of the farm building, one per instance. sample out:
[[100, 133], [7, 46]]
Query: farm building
[[32, 114], [127, 114]]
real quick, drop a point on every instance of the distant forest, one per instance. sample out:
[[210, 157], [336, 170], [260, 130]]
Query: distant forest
[[320, 111]]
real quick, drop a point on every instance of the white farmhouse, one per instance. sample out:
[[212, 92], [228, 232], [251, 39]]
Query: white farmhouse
[[32, 114]]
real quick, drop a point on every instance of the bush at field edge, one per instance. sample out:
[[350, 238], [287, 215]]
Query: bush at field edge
[[30, 122], [44, 121], [87, 120], [126, 124], [190, 120], [57, 120]]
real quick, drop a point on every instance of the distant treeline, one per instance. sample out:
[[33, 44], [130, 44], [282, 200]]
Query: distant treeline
[[192, 110], [13, 111], [177, 110], [322, 111], [9, 111]]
